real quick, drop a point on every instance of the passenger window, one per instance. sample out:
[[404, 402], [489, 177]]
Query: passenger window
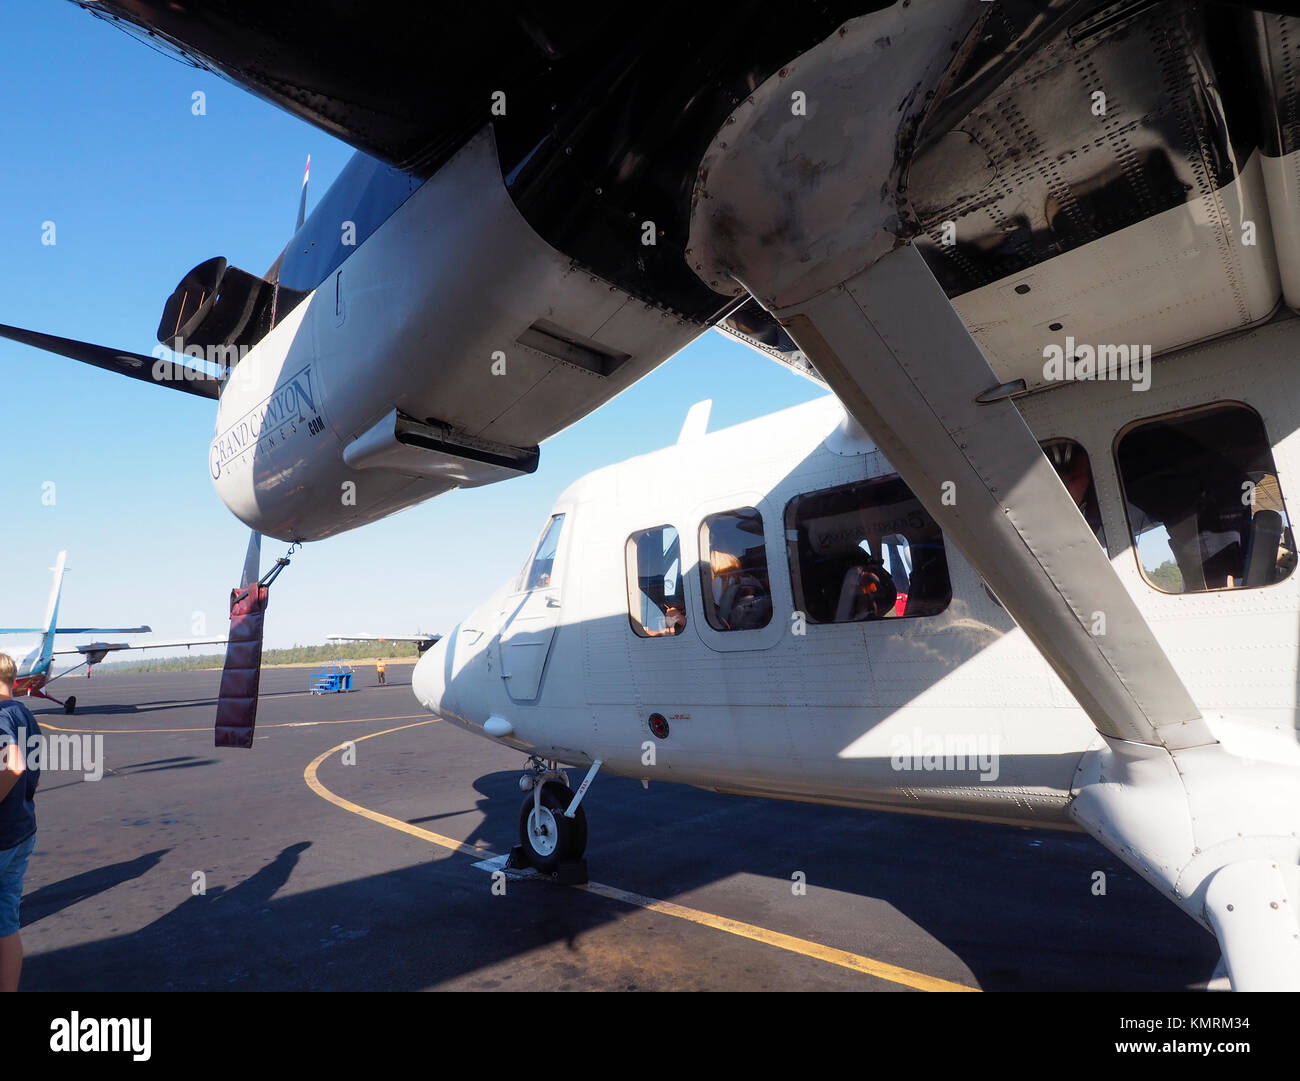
[[1203, 501], [733, 571], [1071, 463], [865, 551], [655, 598], [542, 567]]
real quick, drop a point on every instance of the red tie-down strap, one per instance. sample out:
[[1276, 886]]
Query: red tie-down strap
[[237, 701]]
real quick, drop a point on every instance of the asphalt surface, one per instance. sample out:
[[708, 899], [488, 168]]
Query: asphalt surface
[[191, 868]]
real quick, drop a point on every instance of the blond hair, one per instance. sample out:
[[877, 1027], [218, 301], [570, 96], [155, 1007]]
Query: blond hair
[[721, 562], [8, 669]]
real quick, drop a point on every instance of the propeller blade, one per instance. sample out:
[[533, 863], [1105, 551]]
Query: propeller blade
[[164, 373], [252, 561]]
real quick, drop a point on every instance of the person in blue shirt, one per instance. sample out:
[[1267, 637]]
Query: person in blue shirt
[[19, 775]]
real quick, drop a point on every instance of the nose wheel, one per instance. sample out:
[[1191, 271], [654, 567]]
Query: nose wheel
[[548, 837]]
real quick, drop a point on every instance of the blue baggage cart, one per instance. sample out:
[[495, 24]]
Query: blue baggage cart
[[334, 678]]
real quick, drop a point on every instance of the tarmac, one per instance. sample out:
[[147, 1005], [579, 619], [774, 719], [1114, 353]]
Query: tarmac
[[358, 845]]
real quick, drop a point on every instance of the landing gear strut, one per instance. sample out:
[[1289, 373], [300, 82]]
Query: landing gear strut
[[549, 837], [69, 704]]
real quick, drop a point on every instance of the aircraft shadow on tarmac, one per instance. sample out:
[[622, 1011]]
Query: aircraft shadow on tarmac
[[1015, 906], [158, 765], [188, 761]]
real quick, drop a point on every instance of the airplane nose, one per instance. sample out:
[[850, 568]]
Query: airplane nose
[[428, 681]]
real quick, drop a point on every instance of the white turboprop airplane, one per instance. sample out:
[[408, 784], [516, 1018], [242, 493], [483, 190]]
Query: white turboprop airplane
[[770, 610], [956, 212], [36, 662]]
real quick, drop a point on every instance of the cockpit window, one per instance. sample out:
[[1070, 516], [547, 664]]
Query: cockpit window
[[655, 598], [542, 568], [1071, 463], [1204, 505], [733, 571], [865, 551]]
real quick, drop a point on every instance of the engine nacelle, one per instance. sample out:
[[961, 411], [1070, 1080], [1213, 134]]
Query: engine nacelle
[[437, 355]]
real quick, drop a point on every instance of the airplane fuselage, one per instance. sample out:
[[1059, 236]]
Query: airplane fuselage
[[29, 684], [949, 710], [33, 673]]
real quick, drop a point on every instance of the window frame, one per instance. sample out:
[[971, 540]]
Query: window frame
[[794, 563], [632, 580], [1178, 413], [707, 605], [525, 573]]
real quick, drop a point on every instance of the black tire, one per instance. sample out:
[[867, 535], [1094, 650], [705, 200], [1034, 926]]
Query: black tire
[[571, 842], [70, 704]]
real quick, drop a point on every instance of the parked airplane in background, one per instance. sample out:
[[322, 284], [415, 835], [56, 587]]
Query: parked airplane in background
[[422, 641], [36, 662], [770, 610]]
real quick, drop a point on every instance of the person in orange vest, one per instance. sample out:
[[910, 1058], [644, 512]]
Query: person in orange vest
[[379, 670]]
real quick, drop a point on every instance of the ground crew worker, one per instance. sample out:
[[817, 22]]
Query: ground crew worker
[[18, 779], [379, 671]]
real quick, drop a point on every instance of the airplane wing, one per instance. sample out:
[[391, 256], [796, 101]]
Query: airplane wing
[[599, 118], [321, 62], [102, 630], [422, 641], [149, 369], [382, 638], [76, 630], [94, 652]]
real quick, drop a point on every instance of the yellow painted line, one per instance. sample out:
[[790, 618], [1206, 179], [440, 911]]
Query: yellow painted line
[[868, 965], [804, 947], [313, 782], [284, 724]]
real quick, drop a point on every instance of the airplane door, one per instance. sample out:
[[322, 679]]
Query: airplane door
[[525, 640]]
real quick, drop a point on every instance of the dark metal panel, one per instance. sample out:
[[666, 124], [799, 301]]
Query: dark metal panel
[[1031, 171]]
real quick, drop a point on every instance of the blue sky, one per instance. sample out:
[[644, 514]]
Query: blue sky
[[99, 138]]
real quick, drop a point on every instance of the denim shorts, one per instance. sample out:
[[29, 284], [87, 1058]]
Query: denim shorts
[[13, 864]]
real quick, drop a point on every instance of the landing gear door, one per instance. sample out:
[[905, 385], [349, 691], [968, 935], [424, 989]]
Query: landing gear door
[[525, 642]]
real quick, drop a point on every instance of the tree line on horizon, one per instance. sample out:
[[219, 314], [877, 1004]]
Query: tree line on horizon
[[322, 654]]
